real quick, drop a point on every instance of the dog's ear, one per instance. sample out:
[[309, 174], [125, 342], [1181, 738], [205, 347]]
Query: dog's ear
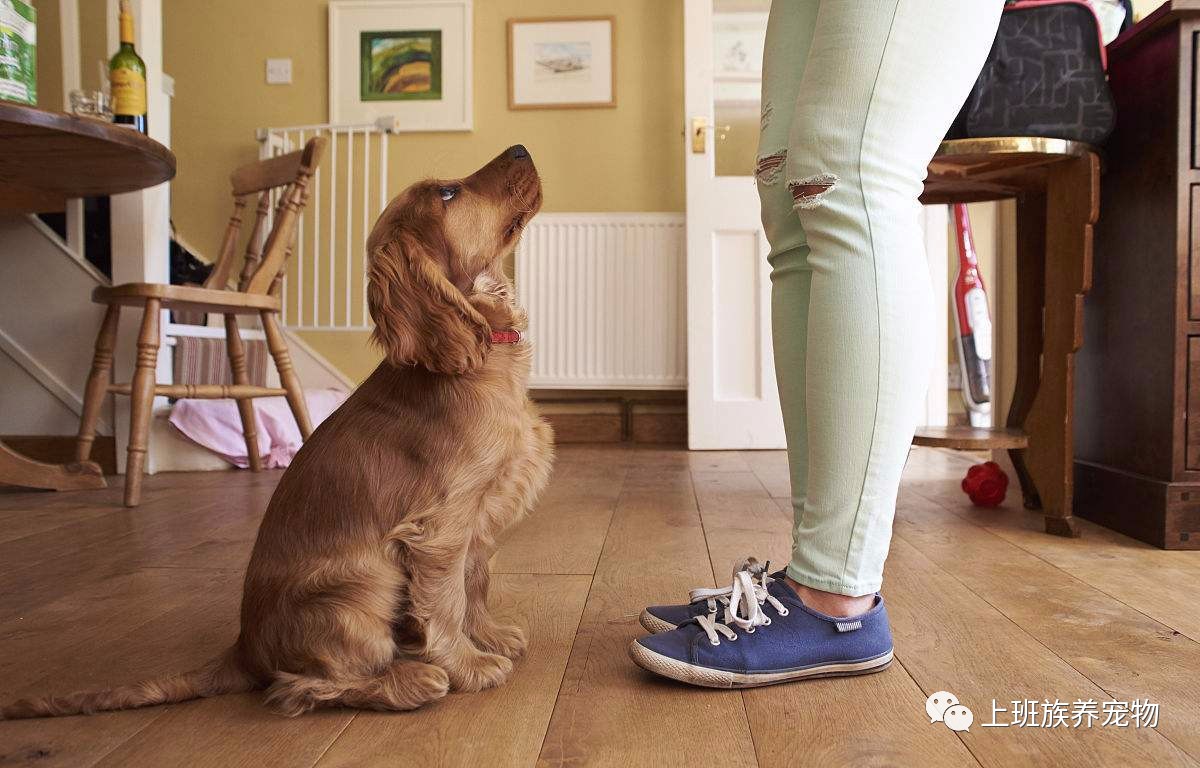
[[420, 317]]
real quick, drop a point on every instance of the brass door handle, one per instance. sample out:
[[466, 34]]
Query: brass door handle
[[699, 124]]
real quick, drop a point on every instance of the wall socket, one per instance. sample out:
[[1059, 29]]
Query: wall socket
[[279, 71]]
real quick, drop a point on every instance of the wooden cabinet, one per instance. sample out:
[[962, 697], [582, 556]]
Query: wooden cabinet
[[1137, 417]]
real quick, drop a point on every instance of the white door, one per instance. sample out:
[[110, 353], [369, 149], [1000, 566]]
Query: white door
[[732, 398]]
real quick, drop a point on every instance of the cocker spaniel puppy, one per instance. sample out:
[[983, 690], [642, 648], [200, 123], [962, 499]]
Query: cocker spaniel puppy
[[368, 582]]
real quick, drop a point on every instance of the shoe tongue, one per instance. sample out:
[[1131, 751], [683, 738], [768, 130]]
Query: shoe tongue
[[781, 589]]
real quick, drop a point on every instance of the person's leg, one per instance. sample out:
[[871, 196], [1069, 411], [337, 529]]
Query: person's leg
[[880, 85], [789, 37], [883, 80], [789, 34]]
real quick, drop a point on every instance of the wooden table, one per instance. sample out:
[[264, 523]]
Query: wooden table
[[48, 158], [1056, 187]]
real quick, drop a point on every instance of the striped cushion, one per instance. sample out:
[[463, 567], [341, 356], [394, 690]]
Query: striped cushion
[[205, 361]]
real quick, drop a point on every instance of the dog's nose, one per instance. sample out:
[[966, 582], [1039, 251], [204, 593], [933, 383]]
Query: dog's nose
[[518, 152]]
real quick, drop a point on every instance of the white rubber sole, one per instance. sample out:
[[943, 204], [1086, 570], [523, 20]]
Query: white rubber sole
[[654, 624], [716, 678]]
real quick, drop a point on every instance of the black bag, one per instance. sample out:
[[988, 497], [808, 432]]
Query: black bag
[[1043, 77]]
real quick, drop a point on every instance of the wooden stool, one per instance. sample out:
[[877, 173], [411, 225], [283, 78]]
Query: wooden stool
[[285, 177], [1056, 184]]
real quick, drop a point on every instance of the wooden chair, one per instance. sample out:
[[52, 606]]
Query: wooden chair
[[257, 294]]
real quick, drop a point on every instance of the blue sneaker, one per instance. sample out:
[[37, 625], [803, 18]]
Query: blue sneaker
[[761, 643], [703, 602]]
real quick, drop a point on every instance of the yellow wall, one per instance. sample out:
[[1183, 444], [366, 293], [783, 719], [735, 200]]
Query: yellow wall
[[93, 34], [623, 159], [1141, 8], [49, 55], [93, 41]]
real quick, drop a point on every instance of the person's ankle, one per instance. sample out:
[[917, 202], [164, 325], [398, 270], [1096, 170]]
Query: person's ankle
[[831, 603]]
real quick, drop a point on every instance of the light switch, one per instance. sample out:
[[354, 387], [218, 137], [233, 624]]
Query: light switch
[[279, 71]]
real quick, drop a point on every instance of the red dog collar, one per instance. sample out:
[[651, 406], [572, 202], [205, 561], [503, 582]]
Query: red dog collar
[[506, 337]]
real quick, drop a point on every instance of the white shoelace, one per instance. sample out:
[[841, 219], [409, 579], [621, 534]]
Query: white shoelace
[[743, 601]]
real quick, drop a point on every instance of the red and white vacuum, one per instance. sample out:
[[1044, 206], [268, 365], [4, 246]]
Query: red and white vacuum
[[974, 326]]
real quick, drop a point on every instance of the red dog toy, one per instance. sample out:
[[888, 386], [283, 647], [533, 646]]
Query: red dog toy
[[986, 484]]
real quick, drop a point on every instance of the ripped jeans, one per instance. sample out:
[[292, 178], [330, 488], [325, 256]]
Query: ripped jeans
[[857, 95]]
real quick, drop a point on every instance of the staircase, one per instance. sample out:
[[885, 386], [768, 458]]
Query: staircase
[[48, 326]]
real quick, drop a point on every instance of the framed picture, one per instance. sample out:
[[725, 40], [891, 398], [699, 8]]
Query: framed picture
[[737, 56], [404, 59], [559, 63]]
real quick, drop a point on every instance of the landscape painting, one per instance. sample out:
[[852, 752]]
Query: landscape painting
[[563, 61], [401, 65]]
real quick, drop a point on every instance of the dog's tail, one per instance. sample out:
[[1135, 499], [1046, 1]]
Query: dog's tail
[[221, 675]]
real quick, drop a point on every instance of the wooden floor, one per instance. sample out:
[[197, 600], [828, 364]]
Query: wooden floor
[[982, 604]]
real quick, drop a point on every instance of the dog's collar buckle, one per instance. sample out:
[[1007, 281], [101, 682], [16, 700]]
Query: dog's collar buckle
[[507, 337]]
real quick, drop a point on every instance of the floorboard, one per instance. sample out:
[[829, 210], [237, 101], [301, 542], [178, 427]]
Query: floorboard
[[825, 718], [950, 639], [229, 731], [189, 628], [506, 724], [1125, 653], [1161, 584], [565, 533], [609, 712]]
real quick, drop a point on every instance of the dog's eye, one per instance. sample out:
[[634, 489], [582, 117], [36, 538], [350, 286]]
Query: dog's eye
[[448, 193]]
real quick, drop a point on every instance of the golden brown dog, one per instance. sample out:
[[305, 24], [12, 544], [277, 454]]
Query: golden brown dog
[[368, 583]]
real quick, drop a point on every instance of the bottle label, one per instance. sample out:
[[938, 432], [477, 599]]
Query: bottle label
[[128, 91]]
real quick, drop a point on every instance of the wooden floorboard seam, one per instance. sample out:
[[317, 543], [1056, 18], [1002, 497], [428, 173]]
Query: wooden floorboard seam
[[334, 740], [898, 659], [562, 680], [540, 573], [101, 756], [583, 612], [754, 742]]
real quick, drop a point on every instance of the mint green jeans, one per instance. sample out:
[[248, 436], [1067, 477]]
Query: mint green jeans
[[856, 96]]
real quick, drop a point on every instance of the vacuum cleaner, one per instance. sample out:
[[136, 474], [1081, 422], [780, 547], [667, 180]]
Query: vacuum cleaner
[[974, 326]]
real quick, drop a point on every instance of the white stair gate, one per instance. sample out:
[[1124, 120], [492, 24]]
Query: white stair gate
[[324, 287]]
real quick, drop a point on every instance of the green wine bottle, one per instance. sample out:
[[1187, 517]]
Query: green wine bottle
[[127, 77]]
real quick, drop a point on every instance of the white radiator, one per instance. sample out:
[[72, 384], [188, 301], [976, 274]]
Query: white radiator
[[605, 294]]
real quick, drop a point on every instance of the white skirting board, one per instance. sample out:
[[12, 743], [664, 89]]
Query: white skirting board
[[605, 295]]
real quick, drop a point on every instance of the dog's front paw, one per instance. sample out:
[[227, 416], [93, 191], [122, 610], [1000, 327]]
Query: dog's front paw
[[429, 683], [485, 670], [505, 640]]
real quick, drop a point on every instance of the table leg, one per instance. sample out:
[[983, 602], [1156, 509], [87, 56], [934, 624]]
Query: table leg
[[1072, 194], [16, 469], [1031, 292]]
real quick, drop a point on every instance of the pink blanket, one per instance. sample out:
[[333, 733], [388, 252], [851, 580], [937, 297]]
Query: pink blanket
[[215, 424]]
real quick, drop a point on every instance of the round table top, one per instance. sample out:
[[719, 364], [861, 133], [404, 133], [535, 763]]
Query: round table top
[[974, 170], [1012, 145], [54, 154]]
